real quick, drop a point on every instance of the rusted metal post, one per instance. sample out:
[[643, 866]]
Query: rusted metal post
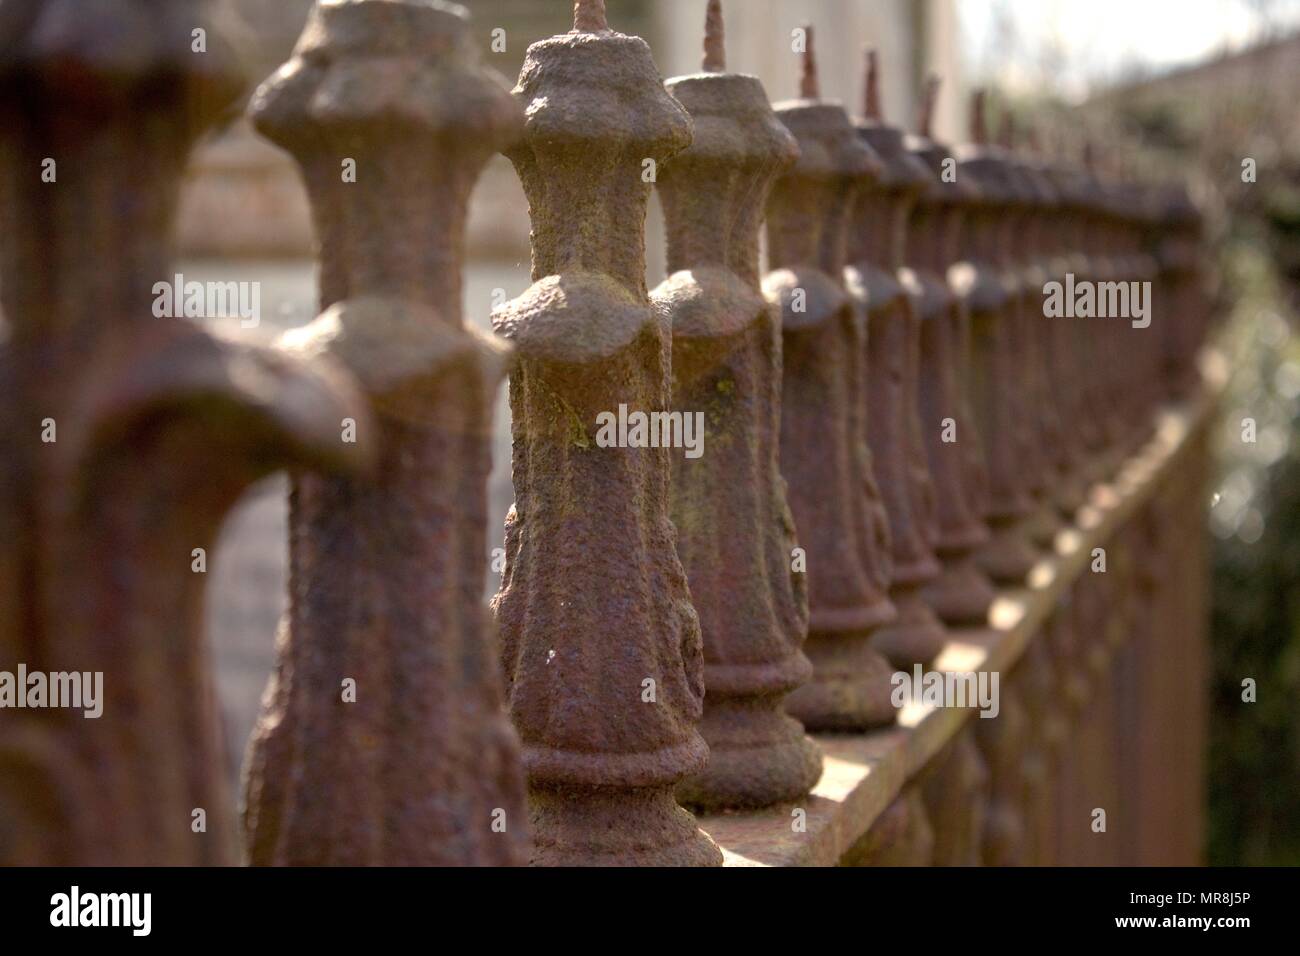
[[128, 432], [1031, 225], [962, 593], [735, 534], [383, 739], [601, 645], [1065, 236], [1098, 336], [1133, 341], [1108, 332], [1186, 307], [1148, 231], [839, 513], [990, 290], [1093, 397], [877, 239]]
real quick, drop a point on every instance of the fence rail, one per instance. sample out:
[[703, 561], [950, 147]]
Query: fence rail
[[748, 503]]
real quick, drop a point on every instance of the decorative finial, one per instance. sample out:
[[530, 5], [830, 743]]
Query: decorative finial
[[809, 88], [978, 127], [871, 91], [589, 16], [929, 96], [715, 50]]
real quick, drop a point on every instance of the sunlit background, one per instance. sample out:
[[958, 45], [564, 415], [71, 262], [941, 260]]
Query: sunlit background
[[1072, 47]]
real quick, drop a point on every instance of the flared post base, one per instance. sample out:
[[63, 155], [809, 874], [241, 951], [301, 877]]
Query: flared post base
[[581, 826], [758, 756], [1008, 557], [850, 688], [917, 636], [962, 594]]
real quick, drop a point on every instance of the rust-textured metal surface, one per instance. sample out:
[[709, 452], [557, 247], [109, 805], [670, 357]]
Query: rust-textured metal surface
[[1045, 736], [601, 646], [1148, 236], [1097, 602], [962, 592], [839, 513], [418, 764], [887, 301], [990, 288], [1136, 347], [1071, 817], [735, 533], [1142, 537], [1099, 337], [1003, 742], [1129, 345], [1030, 227], [901, 836], [1065, 237], [1115, 636], [1143, 676], [1182, 652], [1181, 256], [1093, 398], [127, 435], [956, 794]]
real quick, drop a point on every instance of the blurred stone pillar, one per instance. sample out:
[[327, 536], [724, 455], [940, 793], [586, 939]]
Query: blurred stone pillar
[[383, 740], [128, 433]]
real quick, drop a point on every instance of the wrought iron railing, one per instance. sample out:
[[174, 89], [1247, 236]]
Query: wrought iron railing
[[882, 491]]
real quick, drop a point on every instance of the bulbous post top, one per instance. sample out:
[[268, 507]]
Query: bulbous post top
[[114, 93], [408, 67], [98, 60], [596, 119], [945, 188], [598, 88], [394, 90], [807, 212], [880, 214], [901, 172], [713, 192]]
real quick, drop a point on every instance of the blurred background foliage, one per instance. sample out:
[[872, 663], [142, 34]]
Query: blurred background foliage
[[1208, 123], [1230, 127]]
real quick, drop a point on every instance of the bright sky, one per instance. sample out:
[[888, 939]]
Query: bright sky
[[1102, 39]]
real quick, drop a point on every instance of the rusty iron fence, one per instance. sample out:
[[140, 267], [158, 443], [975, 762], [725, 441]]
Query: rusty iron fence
[[748, 502]]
